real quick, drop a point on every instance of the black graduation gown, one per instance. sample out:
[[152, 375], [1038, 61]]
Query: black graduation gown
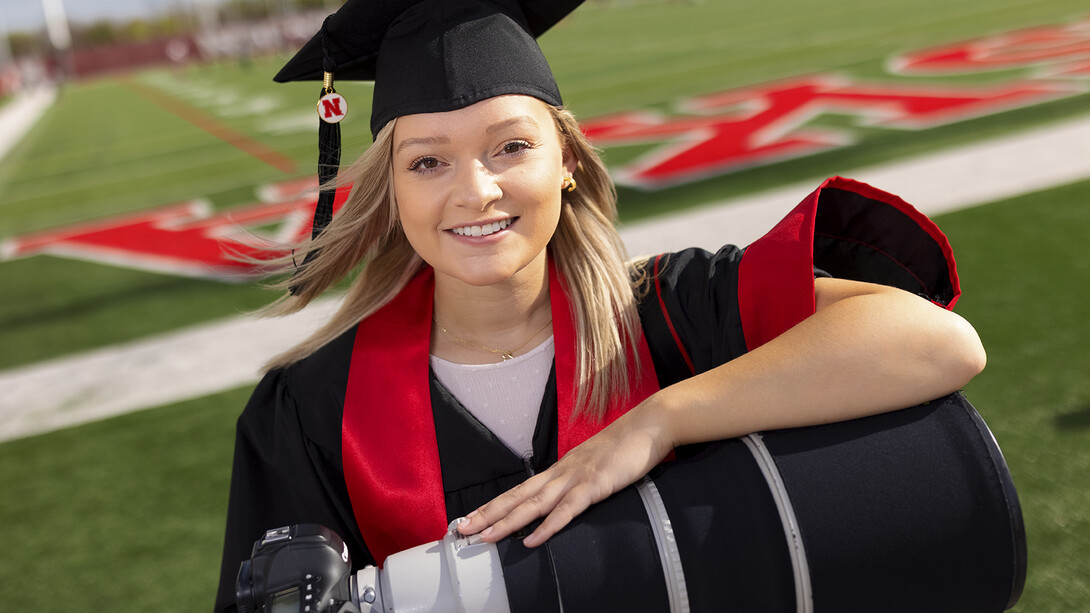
[[288, 467]]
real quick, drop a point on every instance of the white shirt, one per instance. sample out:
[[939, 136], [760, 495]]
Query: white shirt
[[506, 396]]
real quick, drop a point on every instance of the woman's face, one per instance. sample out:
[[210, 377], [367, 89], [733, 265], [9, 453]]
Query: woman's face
[[478, 189]]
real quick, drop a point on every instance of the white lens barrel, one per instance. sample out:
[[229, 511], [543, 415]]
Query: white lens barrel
[[453, 575]]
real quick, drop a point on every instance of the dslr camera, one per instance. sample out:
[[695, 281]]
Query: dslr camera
[[303, 568]]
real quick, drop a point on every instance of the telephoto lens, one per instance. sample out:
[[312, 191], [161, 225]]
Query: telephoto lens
[[907, 511]]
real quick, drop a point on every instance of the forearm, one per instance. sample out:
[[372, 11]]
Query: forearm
[[858, 355], [868, 349]]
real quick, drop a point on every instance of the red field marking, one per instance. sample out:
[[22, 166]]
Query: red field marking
[[1050, 45], [188, 239], [210, 125], [736, 129]]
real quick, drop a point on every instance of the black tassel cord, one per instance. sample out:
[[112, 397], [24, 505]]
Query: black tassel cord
[[329, 157]]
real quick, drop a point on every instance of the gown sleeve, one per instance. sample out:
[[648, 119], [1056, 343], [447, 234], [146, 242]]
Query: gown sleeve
[[700, 310], [690, 312], [287, 466]]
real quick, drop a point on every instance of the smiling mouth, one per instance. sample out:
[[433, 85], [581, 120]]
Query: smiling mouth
[[484, 229]]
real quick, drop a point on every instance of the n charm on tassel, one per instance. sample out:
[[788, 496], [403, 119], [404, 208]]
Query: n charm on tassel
[[332, 108]]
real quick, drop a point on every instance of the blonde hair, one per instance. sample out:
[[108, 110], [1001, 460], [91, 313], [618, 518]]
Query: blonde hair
[[586, 248]]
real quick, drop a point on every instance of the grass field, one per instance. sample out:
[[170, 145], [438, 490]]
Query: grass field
[[127, 514]]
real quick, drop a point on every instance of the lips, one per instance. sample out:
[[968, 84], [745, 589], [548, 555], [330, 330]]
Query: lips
[[484, 229]]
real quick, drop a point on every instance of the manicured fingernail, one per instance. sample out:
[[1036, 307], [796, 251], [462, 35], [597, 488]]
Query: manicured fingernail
[[530, 541], [472, 513], [486, 531]]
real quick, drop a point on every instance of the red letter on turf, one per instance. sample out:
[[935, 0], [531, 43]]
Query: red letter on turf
[[741, 128], [1034, 47]]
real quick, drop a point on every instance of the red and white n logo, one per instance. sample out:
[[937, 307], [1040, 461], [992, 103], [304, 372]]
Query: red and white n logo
[[332, 108]]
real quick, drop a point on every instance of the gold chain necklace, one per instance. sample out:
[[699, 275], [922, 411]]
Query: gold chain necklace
[[506, 355]]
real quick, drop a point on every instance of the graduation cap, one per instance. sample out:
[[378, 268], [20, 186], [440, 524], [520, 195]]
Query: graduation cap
[[424, 56]]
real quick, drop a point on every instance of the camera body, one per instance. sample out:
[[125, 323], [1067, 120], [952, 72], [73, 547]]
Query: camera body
[[303, 568], [306, 568]]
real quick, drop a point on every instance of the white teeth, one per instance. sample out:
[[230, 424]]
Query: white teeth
[[484, 230]]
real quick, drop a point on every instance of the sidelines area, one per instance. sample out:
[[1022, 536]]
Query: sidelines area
[[226, 354]]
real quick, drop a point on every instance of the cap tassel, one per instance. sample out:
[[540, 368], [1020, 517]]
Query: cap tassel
[[329, 154], [332, 108]]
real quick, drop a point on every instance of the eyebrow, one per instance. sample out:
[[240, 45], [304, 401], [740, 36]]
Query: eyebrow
[[427, 140]]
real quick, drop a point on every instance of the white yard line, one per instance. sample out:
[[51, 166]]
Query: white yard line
[[20, 115], [228, 353], [187, 363]]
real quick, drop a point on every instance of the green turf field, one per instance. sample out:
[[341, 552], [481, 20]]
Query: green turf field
[[127, 514]]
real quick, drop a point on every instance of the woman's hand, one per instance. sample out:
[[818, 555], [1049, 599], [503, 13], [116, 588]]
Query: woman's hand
[[607, 462]]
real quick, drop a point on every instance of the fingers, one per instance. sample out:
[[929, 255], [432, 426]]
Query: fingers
[[559, 508], [560, 516], [615, 457], [559, 498], [482, 519]]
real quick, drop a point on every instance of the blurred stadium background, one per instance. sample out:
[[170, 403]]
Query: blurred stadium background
[[175, 104]]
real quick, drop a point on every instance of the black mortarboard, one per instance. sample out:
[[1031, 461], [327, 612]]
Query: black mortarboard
[[424, 56], [434, 55]]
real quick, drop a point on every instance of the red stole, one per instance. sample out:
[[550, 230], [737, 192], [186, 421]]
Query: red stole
[[388, 442]]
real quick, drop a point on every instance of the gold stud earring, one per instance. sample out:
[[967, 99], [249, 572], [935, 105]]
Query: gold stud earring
[[569, 184]]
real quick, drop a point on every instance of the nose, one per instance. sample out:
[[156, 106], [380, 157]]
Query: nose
[[476, 187]]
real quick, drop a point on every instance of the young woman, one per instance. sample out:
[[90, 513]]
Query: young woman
[[498, 356]]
